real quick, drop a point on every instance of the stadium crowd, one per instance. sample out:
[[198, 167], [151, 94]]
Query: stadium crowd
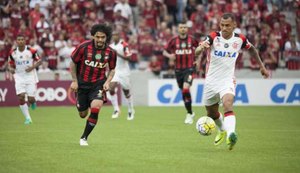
[[56, 27]]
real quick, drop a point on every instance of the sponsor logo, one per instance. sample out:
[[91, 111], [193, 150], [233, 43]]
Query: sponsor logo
[[51, 94], [224, 54], [183, 51], [95, 64]]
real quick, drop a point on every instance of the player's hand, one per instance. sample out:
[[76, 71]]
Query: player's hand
[[74, 86], [29, 69], [106, 86], [12, 70], [204, 44], [172, 57], [264, 72]]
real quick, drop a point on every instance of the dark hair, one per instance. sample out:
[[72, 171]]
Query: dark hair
[[103, 27], [228, 15]]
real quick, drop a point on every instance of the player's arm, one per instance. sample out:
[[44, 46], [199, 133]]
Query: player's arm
[[202, 46], [169, 55], [127, 53], [110, 76], [254, 53], [73, 69], [34, 66]]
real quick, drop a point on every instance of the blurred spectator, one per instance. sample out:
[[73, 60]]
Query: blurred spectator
[[44, 67], [41, 26], [292, 53], [155, 66], [45, 6], [3, 57]]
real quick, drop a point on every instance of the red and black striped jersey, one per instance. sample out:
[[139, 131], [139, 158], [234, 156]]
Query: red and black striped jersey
[[184, 50], [92, 62]]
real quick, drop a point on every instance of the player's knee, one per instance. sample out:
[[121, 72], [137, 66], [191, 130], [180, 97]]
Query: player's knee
[[127, 93], [83, 114], [31, 100]]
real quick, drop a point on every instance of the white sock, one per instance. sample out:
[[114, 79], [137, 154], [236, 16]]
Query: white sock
[[130, 104], [114, 102], [25, 111], [219, 122], [229, 122]]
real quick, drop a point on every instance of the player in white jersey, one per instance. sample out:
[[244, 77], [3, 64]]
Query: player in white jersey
[[23, 62], [220, 81], [122, 75]]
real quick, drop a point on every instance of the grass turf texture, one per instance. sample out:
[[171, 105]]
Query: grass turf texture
[[157, 140]]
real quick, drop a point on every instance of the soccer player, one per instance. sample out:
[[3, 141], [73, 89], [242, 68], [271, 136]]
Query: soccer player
[[121, 76], [90, 60], [181, 49], [220, 82], [23, 61]]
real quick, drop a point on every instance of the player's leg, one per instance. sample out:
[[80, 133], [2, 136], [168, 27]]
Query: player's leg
[[211, 102], [213, 112], [229, 119], [125, 83], [24, 108], [186, 96], [21, 93], [31, 91], [114, 99], [91, 121]]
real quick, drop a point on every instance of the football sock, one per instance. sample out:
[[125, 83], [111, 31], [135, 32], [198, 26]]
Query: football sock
[[90, 123], [186, 96], [25, 111], [130, 104], [114, 102], [229, 122], [219, 122]]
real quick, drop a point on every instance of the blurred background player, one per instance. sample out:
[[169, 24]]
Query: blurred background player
[[23, 61], [220, 81], [89, 62], [122, 75], [181, 49]]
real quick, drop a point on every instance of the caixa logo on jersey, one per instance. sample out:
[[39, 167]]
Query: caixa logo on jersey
[[51, 94]]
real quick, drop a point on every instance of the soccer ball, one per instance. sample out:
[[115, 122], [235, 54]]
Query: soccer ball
[[205, 125]]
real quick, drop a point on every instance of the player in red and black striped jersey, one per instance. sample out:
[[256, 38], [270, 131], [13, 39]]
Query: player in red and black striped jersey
[[88, 69], [181, 49]]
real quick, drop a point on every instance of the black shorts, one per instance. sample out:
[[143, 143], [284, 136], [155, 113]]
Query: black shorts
[[86, 95], [186, 75]]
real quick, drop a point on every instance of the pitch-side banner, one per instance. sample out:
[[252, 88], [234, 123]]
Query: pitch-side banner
[[50, 93], [248, 92]]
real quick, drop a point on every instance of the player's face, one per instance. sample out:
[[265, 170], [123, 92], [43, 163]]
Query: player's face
[[20, 41], [115, 37], [182, 29], [227, 26], [100, 39]]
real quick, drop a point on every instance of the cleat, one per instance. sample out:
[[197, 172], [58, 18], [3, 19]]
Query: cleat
[[115, 114], [231, 140], [189, 118], [33, 106], [220, 138], [130, 115], [28, 121], [83, 142]]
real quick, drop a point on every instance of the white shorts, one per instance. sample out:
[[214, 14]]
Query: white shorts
[[213, 95], [123, 80], [26, 87]]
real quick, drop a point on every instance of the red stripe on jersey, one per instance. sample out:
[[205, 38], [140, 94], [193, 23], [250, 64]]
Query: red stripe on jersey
[[229, 113], [245, 44], [177, 60]]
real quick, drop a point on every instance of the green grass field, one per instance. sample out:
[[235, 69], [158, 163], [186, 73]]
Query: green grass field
[[156, 141]]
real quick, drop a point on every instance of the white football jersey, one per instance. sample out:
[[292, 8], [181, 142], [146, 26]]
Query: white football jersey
[[222, 58], [23, 60], [122, 66]]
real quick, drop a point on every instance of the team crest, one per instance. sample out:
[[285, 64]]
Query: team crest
[[226, 45], [234, 45], [183, 45], [98, 56]]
